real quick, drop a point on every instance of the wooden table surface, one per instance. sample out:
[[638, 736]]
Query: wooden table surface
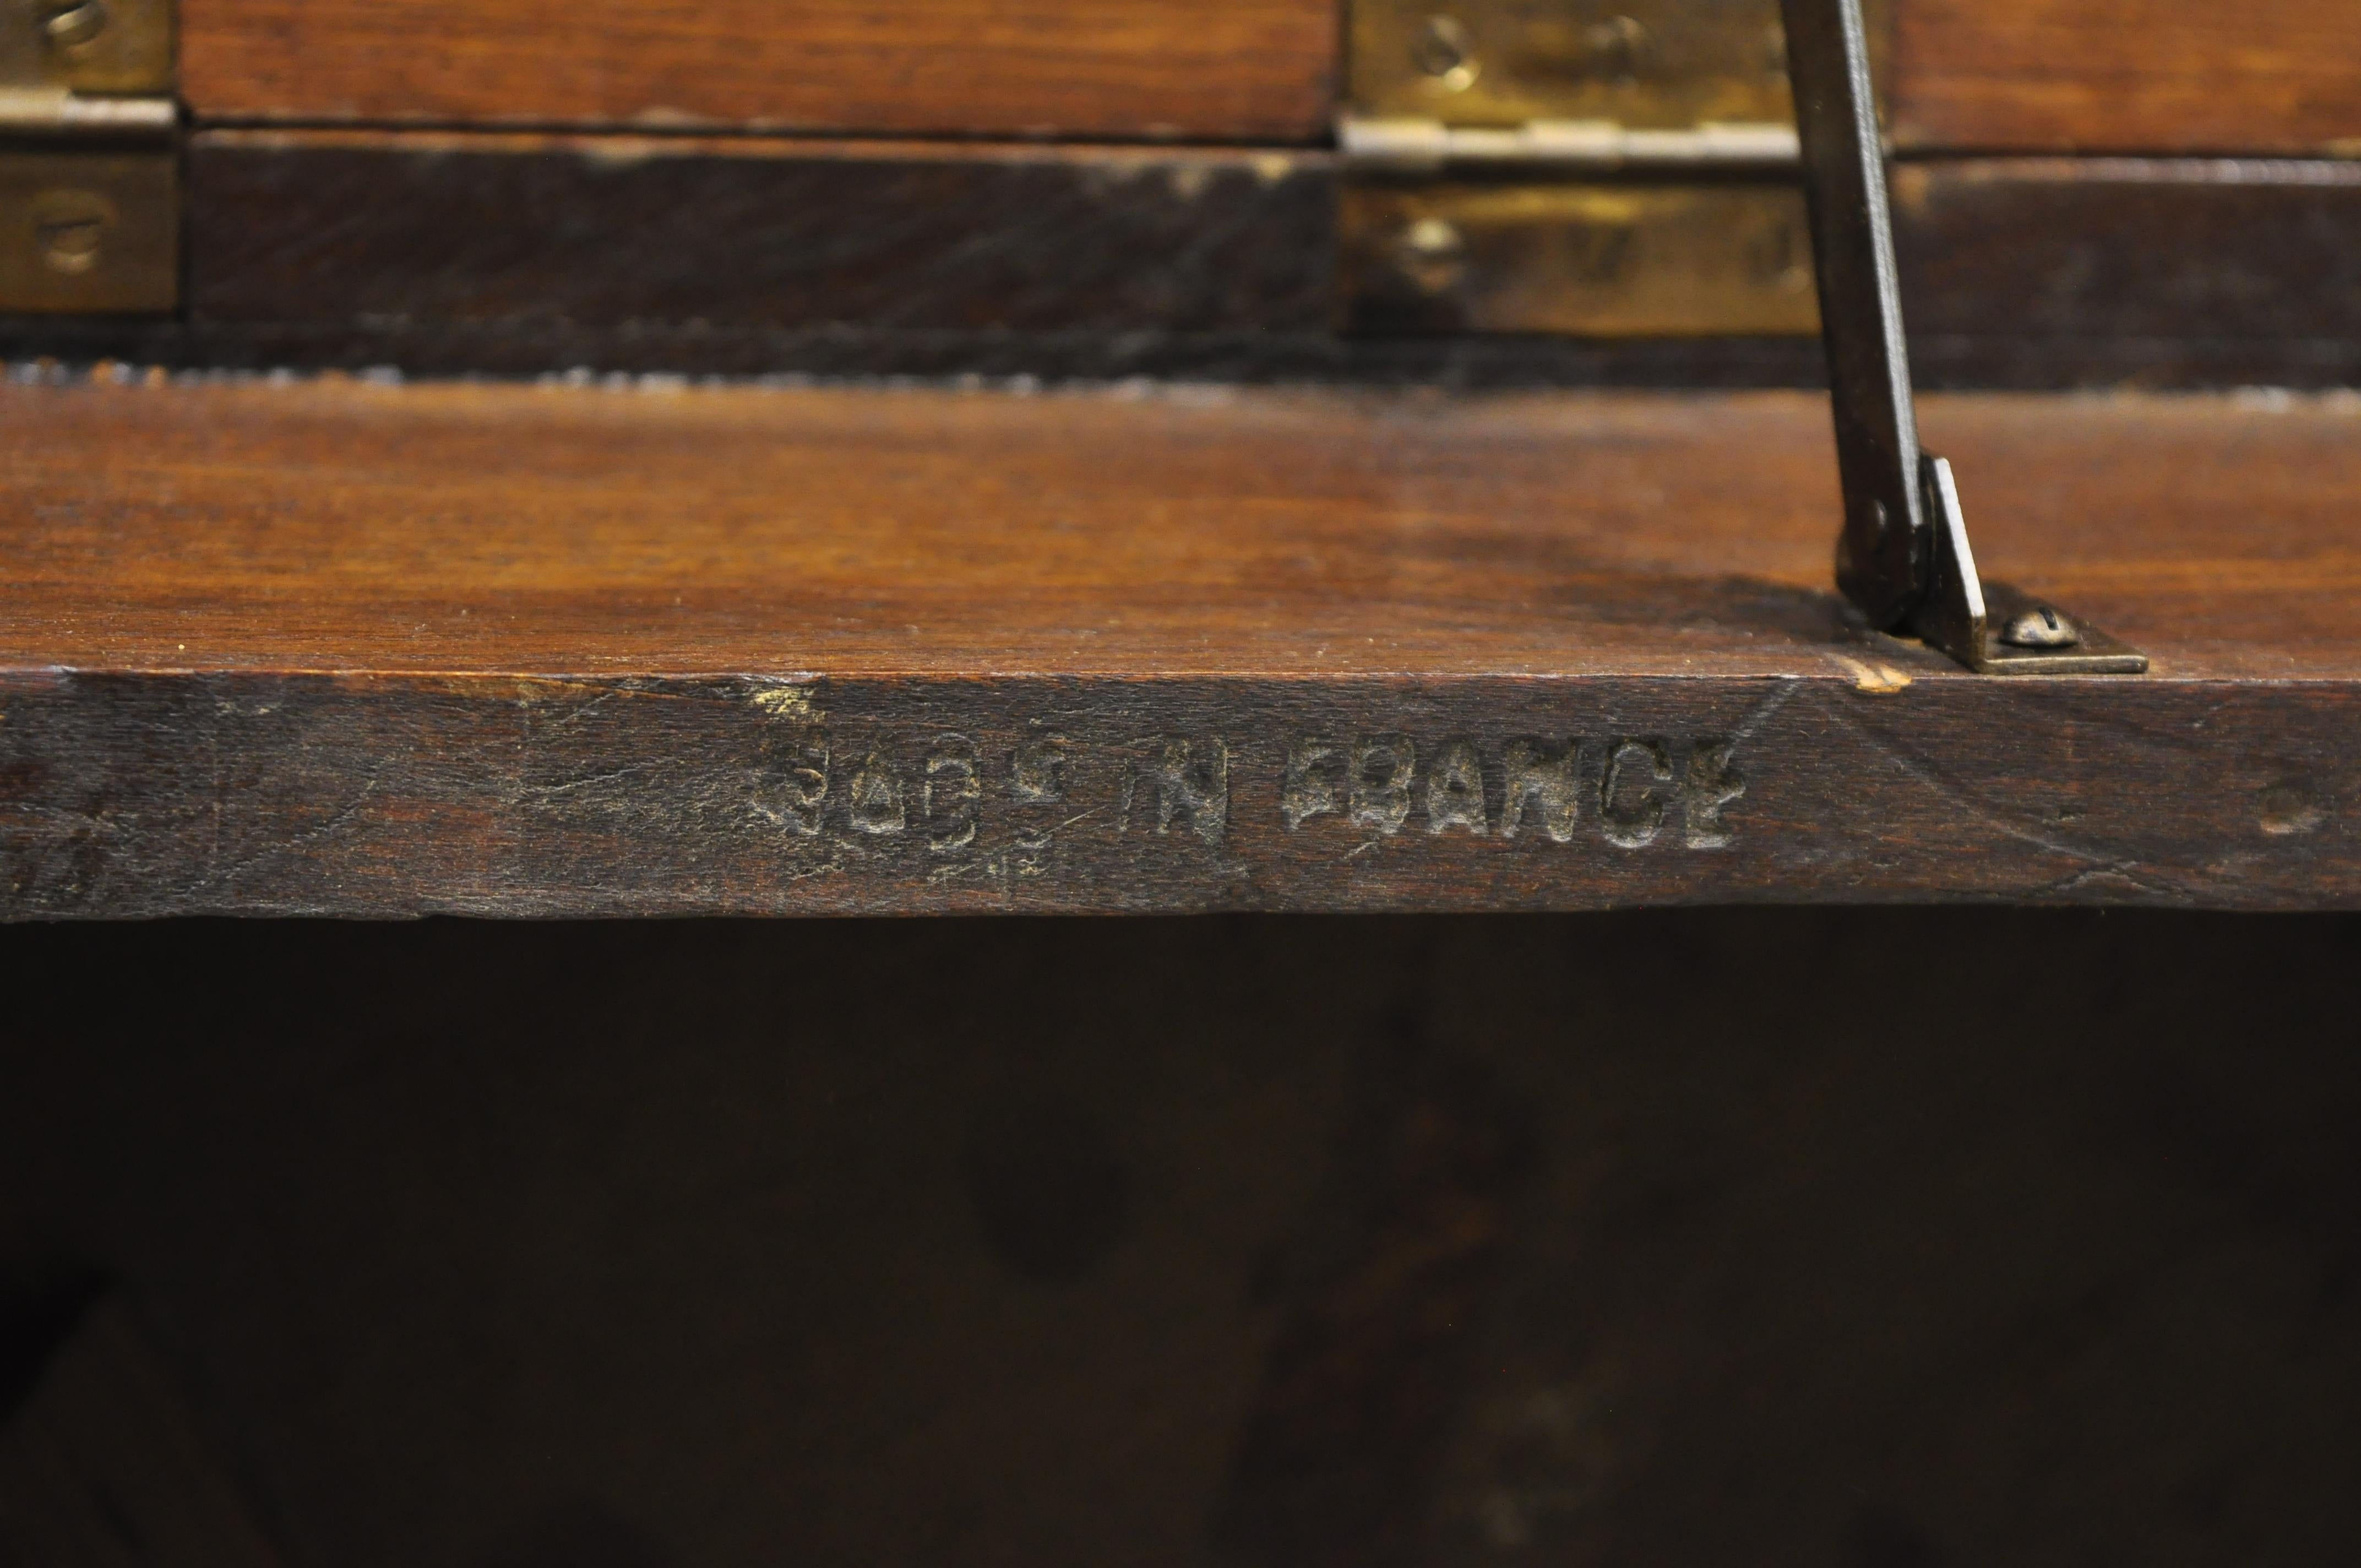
[[1993, 76], [360, 648]]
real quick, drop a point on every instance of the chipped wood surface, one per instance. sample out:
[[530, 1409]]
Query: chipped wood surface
[[334, 647]]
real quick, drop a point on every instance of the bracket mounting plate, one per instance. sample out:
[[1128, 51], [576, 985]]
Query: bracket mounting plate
[[1992, 628], [1904, 558]]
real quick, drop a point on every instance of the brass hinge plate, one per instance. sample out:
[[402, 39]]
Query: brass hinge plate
[[1641, 64], [1431, 147], [94, 47], [89, 178], [1585, 168], [53, 112], [90, 232], [1577, 258]]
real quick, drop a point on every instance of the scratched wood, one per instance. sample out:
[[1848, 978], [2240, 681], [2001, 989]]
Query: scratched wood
[[2126, 75], [1235, 69], [335, 647]]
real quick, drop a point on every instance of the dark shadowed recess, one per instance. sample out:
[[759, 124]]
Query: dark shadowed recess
[[1863, 1238], [520, 255]]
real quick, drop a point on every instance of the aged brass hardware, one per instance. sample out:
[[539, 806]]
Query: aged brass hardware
[[89, 232], [1594, 146], [1611, 168], [1586, 259], [1903, 557], [89, 174], [109, 48], [1639, 64]]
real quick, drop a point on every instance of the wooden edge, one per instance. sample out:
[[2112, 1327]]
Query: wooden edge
[[438, 253], [42, 346], [1241, 70], [2135, 76], [1969, 76], [521, 232], [625, 146], [2133, 250], [369, 650], [514, 254], [393, 795]]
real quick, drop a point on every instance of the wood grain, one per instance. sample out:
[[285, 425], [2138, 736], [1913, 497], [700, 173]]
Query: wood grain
[[2126, 75], [517, 650], [1998, 75], [2263, 252], [1240, 69], [519, 233], [506, 253]]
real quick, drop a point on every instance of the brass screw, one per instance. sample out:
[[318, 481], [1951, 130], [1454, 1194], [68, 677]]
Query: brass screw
[[1433, 255], [1616, 47], [1445, 52], [2041, 627], [70, 229], [73, 25]]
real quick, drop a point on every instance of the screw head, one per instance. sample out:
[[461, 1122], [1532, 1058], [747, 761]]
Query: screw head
[[1433, 254], [2040, 627], [74, 23], [70, 229], [1618, 48], [1446, 51]]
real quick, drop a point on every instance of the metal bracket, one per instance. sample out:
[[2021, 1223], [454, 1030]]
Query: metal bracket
[[102, 49], [1584, 146], [1587, 258], [1642, 65], [1598, 169], [90, 171], [1990, 628], [1904, 558]]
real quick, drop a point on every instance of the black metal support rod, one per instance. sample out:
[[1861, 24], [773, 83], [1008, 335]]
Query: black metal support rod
[[1883, 557]]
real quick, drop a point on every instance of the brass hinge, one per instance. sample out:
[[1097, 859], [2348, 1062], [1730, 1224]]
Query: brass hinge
[[1432, 147], [90, 180], [1588, 167]]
